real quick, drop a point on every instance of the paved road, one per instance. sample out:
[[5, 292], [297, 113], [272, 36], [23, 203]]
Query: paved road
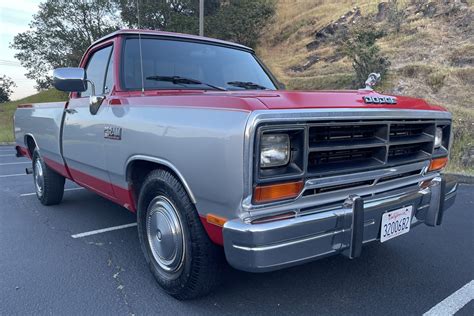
[[45, 271]]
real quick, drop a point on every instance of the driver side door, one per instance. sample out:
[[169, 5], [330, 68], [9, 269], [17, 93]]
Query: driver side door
[[83, 132]]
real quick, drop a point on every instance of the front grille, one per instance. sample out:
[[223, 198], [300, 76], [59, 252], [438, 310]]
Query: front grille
[[334, 157], [346, 147]]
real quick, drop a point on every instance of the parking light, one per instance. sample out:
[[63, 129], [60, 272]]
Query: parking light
[[277, 192]]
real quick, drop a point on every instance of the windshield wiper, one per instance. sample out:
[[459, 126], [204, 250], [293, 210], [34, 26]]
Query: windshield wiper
[[247, 85], [183, 80]]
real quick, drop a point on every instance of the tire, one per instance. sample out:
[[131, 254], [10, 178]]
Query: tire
[[186, 264], [49, 185]]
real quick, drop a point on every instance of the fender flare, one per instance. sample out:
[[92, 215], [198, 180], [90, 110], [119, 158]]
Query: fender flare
[[162, 162]]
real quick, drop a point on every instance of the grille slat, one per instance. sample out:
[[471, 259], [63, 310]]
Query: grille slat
[[342, 147], [336, 145]]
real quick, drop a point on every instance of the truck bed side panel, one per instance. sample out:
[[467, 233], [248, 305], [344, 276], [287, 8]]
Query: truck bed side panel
[[42, 121]]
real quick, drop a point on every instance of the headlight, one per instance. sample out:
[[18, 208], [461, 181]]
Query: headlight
[[274, 150], [438, 137]]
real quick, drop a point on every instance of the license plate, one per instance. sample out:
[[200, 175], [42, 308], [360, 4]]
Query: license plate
[[395, 223]]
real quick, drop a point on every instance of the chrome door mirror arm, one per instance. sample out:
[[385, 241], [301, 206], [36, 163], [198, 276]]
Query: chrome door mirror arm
[[94, 100]]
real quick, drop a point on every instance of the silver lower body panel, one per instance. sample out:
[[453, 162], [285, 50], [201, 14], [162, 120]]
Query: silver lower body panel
[[279, 244]]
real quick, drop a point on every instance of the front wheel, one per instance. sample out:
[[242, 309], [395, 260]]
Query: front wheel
[[183, 260], [49, 185]]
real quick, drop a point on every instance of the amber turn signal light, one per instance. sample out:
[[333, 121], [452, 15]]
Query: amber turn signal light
[[276, 192], [438, 163], [216, 220]]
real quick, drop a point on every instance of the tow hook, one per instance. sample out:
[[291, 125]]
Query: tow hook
[[29, 170]]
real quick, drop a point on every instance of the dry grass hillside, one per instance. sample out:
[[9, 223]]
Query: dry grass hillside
[[432, 54], [7, 110]]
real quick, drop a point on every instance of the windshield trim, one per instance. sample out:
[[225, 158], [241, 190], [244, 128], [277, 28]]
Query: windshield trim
[[192, 40]]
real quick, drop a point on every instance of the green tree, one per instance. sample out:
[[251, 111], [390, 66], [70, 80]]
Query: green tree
[[241, 21], [166, 15], [60, 33], [6, 88]]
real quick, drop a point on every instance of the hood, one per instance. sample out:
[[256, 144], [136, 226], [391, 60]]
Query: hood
[[337, 99], [273, 100]]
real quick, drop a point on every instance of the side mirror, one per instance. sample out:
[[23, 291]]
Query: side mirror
[[70, 79], [75, 80]]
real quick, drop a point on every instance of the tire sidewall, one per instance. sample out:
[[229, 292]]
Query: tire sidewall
[[37, 157], [153, 187]]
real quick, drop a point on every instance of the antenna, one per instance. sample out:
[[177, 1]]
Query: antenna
[[140, 47], [201, 17]]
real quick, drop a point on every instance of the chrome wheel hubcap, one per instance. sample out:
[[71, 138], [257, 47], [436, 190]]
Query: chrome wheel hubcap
[[165, 234], [39, 178]]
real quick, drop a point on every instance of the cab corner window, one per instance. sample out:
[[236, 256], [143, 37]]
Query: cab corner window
[[99, 70]]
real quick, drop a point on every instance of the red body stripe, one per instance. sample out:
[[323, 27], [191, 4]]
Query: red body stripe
[[213, 231], [119, 195], [23, 151], [58, 167]]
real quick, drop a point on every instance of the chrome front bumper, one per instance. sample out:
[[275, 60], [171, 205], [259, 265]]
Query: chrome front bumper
[[342, 229]]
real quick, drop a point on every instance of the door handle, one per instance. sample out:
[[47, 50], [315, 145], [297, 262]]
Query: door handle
[[70, 111]]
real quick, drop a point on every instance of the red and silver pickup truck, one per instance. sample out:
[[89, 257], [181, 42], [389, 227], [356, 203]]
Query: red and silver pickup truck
[[195, 136]]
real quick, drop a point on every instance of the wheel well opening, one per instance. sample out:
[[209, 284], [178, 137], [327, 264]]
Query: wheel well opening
[[137, 172], [30, 144]]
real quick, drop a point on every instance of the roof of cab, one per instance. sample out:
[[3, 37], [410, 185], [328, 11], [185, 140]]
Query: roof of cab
[[169, 34]]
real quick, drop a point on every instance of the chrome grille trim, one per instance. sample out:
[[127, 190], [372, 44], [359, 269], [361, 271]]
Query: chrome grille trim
[[374, 175]]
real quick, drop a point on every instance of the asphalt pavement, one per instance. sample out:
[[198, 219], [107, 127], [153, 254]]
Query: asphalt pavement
[[44, 270]]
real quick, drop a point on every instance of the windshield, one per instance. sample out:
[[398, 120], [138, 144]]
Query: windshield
[[208, 65]]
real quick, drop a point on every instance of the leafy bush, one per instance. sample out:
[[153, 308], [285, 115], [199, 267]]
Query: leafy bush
[[6, 88], [359, 44]]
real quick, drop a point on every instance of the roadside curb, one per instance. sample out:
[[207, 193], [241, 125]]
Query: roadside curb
[[6, 144], [461, 178]]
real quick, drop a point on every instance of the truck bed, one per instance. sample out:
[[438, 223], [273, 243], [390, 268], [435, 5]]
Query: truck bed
[[42, 122]]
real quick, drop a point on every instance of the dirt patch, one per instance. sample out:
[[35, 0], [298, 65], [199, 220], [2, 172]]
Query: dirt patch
[[327, 33]]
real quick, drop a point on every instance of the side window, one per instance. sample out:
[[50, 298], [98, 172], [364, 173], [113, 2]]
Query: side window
[[98, 73], [109, 76]]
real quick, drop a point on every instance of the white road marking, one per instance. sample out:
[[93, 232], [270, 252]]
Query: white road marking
[[14, 163], [103, 230], [13, 175], [34, 193], [11, 155], [454, 302]]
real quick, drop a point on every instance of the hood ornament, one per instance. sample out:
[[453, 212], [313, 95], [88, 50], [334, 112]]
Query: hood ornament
[[372, 81]]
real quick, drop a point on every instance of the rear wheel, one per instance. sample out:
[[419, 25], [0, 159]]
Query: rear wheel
[[49, 185], [184, 262]]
